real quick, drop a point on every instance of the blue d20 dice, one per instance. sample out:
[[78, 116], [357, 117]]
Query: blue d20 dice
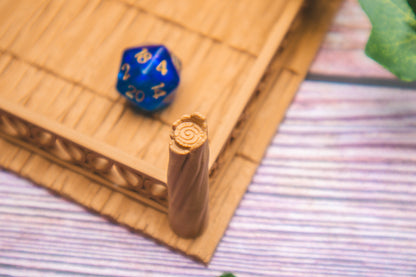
[[149, 77]]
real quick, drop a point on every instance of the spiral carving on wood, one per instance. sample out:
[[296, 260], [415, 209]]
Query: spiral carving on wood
[[188, 176], [188, 134], [120, 176]]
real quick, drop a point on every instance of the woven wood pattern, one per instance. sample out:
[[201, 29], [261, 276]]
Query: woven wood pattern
[[70, 84]]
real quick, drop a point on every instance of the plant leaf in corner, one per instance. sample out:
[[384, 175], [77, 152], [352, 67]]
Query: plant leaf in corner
[[412, 4], [392, 41]]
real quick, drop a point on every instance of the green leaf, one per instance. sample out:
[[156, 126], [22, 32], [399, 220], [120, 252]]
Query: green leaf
[[412, 4], [392, 41], [227, 274]]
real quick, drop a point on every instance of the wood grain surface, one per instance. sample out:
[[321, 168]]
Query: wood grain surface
[[334, 195]]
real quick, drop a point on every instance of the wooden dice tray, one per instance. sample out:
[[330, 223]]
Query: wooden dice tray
[[63, 125]]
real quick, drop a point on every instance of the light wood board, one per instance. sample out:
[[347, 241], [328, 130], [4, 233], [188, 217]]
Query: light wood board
[[59, 61], [275, 93]]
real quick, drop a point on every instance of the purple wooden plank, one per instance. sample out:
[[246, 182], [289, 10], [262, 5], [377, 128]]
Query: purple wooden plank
[[334, 196], [250, 248]]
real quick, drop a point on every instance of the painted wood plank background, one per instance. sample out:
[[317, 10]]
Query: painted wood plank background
[[334, 195]]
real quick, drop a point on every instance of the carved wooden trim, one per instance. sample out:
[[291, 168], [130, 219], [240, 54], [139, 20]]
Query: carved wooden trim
[[94, 163]]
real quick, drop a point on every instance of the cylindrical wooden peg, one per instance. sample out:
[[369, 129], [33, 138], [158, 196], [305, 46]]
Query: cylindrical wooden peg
[[188, 176]]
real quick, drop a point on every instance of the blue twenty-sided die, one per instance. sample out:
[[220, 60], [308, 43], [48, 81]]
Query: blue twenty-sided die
[[149, 77]]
